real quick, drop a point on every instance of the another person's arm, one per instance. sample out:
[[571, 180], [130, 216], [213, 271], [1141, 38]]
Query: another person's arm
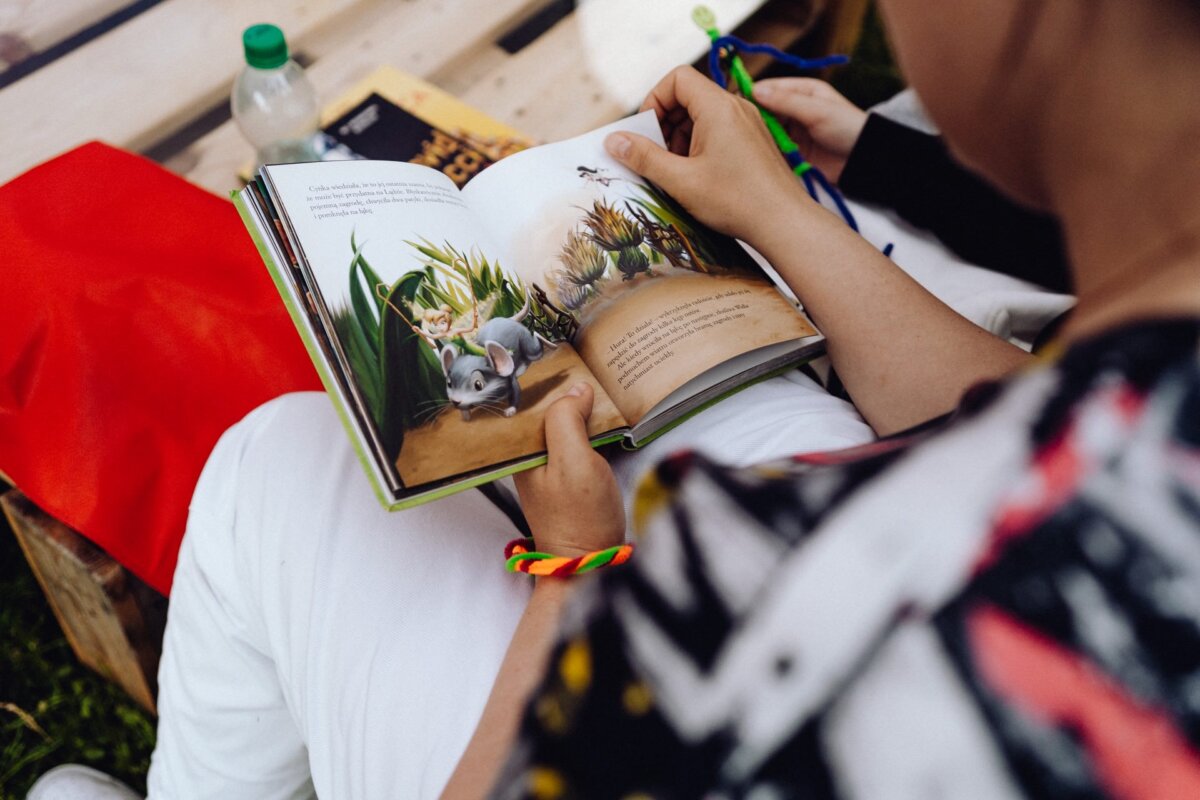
[[903, 355], [877, 160]]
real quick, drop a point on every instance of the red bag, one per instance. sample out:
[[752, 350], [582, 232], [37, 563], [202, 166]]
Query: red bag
[[137, 323]]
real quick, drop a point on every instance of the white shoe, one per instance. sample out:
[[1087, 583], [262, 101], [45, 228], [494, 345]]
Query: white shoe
[[77, 782]]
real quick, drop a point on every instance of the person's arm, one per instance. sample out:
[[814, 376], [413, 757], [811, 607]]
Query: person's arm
[[573, 506], [903, 355], [877, 160], [520, 673]]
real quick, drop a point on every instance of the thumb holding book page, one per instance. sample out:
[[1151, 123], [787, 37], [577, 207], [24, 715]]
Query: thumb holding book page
[[572, 504], [721, 163]]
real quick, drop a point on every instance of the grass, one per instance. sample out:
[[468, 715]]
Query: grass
[[52, 709]]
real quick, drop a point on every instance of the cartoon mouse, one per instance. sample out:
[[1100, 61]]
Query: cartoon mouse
[[490, 380]]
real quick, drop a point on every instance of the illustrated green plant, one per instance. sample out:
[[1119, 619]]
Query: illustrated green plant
[[414, 387], [452, 275], [391, 369], [612, 229], [571, 295], [357, 327], [461, 279], [668, 242], [584, 265], [583, 262], [710, 249]]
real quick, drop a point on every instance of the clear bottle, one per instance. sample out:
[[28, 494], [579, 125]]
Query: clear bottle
[[273, 103]]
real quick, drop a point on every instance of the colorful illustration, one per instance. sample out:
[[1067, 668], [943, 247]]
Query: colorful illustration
[[489, 381], [458, 333], [451, 360], [638, 238]]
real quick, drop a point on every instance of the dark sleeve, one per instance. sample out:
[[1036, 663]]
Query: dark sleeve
[[912, 173]]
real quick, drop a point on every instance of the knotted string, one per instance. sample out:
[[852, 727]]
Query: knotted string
[[815, 181], [732, 43]]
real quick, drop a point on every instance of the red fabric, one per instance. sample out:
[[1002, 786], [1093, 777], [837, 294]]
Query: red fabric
[[137, 323], [1135, 748]]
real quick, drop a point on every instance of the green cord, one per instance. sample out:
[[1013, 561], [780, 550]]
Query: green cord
[[704, 17]]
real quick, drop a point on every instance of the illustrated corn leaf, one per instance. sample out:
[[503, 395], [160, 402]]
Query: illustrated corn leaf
[[372, 278], [364, 361], [366, 311], [413, 381]]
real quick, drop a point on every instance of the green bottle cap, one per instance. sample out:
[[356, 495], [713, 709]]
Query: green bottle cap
[[265, 46]]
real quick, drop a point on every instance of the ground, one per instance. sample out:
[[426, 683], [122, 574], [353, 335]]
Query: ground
[[78, 716]]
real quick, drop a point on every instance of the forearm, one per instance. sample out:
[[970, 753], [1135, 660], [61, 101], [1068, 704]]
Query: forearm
[[904, 356], [520, 672]]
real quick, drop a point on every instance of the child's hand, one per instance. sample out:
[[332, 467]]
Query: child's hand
[[722, 164], [824, 124], [572, 504]]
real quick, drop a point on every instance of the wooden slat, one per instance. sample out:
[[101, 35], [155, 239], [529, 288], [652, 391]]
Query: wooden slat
[[465, 72], [113, 622], [146, 78], [597, 64], [781, 23], [842, 24], [31, 26], [419, 36]]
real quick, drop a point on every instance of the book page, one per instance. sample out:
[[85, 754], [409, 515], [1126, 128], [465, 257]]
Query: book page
[[452, 364], [651, 297]]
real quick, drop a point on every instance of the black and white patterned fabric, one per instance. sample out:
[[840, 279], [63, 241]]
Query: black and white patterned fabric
[[1008, 607]]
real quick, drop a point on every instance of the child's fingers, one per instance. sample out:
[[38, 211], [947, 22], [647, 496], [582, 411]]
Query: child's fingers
[[805, 108], [814, 87], [683, 87], [647, 159], [566, 427]]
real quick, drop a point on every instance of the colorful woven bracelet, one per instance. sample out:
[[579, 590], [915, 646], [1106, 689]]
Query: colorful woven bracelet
[[520, 558]]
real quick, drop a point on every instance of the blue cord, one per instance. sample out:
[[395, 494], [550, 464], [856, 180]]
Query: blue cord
[[812, 176], [734, 43], [835, 196]]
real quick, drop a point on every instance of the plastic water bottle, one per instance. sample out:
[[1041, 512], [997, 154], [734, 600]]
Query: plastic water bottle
[[273, 103]]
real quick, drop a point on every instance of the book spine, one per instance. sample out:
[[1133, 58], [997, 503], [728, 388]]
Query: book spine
[[303, 327]]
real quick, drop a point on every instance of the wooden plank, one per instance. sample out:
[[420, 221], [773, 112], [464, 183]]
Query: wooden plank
[[597, 64], [464, 73], [841, 25], [435, 34], [113, 622], [31, 26], [146, 78], [781, 23]]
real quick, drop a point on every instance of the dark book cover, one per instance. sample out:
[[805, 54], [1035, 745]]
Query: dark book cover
[[379, 129]]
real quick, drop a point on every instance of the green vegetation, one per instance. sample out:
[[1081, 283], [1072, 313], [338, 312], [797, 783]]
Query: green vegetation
[[630, 240], [398, 368], [52, 709]]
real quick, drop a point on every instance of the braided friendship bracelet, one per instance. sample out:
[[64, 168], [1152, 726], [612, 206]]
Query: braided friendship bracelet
[[520, 558]]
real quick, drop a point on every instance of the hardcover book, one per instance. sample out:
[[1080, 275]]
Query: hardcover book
[[445, 313]]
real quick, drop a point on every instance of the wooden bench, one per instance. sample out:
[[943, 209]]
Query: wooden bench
[[156, 78]]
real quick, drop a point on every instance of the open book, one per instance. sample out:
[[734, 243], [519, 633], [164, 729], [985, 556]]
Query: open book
[[445, 321]]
